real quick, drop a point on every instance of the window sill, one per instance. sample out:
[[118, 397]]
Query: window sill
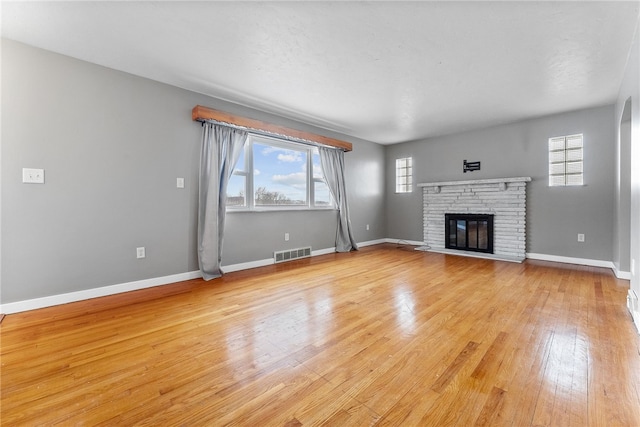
[[261, 210]]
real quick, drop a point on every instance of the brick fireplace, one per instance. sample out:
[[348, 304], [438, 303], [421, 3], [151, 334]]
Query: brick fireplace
[[504, 198]]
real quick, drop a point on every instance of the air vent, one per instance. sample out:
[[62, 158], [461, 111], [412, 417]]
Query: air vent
[[288, 255]]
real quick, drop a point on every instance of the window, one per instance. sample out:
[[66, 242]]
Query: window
[[404, 175], [565, 160], [275, 174]]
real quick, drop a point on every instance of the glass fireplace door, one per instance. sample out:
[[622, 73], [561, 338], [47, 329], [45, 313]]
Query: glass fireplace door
[[469, 232]]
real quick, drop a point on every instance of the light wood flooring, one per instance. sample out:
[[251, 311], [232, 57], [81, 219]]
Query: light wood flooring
[[384, 336]]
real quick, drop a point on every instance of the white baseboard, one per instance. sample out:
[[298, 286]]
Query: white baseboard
[[246, 265], [403, 242], [570, 260], [32, 304], [634, 308], [625, 275], [50, 301], [371, 243], [323, 251], [581, 261]]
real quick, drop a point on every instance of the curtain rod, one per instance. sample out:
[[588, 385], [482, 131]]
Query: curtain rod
[[268, 134], [206, 114]]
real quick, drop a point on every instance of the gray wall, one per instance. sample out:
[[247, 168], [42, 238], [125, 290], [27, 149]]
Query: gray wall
[[554, 215], [112, 146]]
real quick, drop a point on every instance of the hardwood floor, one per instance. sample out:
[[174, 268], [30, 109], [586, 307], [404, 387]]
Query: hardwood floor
[[384, 336]]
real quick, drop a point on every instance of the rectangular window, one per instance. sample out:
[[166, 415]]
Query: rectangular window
[[276, 174], [565, 160], [404, 175], [321, 194], [237, 186]]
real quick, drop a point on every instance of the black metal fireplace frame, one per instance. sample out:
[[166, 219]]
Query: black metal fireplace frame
[[468, 217]]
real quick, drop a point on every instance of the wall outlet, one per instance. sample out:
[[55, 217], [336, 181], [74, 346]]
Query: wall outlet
[[179, 182], [32, 176], [367, 227], [580, 237], [140, 252], [286, 237]]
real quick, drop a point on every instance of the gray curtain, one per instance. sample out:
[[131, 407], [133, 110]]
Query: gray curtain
[[332, 162], [221, 148]]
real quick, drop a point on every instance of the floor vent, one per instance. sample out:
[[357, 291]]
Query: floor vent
[[288, 255]]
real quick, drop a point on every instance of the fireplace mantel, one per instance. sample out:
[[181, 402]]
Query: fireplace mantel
[[505, 198], [476, 181]]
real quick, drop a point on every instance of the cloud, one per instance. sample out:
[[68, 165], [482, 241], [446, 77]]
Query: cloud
[[317, 171], [283, 154], [290, 156], [295, 179], [256, 172], [268, 149]]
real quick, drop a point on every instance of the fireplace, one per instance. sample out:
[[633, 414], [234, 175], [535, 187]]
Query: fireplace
[[505, 198], [469, 232]]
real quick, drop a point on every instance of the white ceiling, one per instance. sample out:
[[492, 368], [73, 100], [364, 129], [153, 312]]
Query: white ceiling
[[382, 71]]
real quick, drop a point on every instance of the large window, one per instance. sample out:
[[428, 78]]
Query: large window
[[274, 174], [565, 160], [404, 175]]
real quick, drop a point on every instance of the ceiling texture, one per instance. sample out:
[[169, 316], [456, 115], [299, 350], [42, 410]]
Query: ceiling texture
[[383, 71]]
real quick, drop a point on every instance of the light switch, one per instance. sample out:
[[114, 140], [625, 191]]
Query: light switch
[[179, 182], [32, 176]]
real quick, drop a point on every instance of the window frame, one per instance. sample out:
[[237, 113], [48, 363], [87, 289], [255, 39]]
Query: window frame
[[248, 173], [404, 187], [567, 160]]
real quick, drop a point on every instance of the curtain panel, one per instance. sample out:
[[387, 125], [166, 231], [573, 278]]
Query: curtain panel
[[332, 162], [221, 148]]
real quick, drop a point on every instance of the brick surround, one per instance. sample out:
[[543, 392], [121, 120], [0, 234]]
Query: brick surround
[[505, 198]]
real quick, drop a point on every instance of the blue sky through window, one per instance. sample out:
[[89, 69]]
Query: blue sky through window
[[280, 170]]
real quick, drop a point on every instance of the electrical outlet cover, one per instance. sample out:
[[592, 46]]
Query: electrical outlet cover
[[32, 176]]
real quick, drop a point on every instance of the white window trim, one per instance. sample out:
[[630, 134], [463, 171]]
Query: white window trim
[[404, 188], [565, 174], [249, 182]]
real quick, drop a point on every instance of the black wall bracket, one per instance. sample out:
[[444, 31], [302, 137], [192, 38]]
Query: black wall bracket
[[470, 166]]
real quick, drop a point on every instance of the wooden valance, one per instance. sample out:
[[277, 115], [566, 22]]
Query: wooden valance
[[200, 113]]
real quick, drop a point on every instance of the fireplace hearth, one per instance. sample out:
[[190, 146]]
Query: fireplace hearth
[[469, 232]]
